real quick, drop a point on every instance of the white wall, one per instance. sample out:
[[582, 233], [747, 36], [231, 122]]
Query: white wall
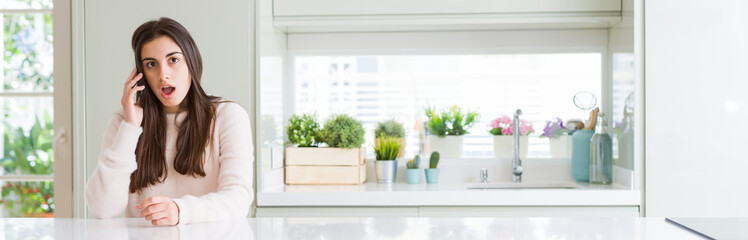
[[696, 106], [224, 32]]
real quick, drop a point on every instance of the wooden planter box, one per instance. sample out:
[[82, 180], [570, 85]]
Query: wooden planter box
[[325, 165]]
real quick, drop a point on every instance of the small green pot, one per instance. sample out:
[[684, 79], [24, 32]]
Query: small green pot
[[413, 176], [432, 175]]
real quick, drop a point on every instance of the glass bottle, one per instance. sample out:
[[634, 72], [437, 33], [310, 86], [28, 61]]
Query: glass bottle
[[626, 143], [601, 154]]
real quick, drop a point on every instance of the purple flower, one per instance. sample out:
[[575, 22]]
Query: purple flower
[[554, 128]]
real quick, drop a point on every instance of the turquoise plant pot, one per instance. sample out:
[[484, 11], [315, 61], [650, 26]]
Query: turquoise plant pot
[[413, 175], [432, 175], [580, 155]]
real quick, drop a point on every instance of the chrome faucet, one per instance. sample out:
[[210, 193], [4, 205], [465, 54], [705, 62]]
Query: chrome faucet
[[483, 175], [516, 162]]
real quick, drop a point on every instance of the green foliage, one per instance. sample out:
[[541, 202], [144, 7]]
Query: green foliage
[[25, 199], [434, 161], [27, 51], [414, 163], [391, 128], [29, 154], [304, 130], [343, 131], [451, 122], [387, 148]]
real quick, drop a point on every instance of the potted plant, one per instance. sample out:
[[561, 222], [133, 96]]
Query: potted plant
[[304, 130], [413, 174], [386, 151], [559, 138], [343, 131], [341, 162], [503, 143], [447, 129], [393, 129], [432, 173]]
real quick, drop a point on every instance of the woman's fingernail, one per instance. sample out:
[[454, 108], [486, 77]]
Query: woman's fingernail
[[137, 206]]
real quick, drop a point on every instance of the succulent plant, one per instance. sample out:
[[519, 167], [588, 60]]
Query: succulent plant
[[343, 131], [434, 160], [414, 163]]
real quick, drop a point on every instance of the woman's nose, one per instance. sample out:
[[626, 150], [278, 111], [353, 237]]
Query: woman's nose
[[164, 73]]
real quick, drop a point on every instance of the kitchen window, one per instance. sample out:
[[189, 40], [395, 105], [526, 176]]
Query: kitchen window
[[373, 88], [379, 76]]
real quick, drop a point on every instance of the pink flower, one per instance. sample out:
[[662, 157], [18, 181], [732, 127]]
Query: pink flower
[[503, 126], [506, 131], [525, 128], [495, 123]]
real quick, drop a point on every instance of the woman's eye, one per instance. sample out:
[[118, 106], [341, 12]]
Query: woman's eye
[[174, 60], [150, 64]]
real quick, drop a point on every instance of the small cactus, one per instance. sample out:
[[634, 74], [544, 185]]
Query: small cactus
[[414, 163], [434, 160]]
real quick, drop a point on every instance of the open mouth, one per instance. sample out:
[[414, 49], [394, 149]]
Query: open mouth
[[167, 91]]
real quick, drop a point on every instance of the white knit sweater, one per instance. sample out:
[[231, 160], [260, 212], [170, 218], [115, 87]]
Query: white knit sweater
[[225, 192]]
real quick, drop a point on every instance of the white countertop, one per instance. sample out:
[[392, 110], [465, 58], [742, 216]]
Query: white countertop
[[443, 194], [349, 228]]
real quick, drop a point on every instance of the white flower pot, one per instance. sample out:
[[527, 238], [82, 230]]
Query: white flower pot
[[503, 146], [447, 146], [561, 147]]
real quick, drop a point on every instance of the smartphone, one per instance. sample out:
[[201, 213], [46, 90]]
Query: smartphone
[[139, 98]]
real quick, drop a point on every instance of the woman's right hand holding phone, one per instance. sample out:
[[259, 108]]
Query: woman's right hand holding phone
[[133, 110]]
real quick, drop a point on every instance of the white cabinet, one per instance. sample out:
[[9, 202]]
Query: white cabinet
[[410, 212], [332, 212], [399, 7], [535, 211], [407, 15]]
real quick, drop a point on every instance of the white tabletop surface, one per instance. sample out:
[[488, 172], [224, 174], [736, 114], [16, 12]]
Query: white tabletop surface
[[449, 194], [349, 228]]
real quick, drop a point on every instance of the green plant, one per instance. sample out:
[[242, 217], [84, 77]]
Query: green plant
[[343, 131], [387, 148], [28, 154], [304, 130], [26, 199], [451, 122], [434, 161], [414, 163], [28, 48], [390, 128]]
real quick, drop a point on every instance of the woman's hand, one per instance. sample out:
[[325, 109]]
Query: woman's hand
[[133, 111], [160, 210]]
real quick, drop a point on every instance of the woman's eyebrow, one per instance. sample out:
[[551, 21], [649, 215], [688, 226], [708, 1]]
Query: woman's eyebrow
[[167, 55], [173, 53]]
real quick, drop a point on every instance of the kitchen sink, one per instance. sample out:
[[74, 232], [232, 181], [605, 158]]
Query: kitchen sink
[[524, 185]]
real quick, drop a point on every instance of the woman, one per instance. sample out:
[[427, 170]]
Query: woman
[[173, 155]]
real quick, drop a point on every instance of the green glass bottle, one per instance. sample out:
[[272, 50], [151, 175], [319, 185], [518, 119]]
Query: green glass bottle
[[601, 154]]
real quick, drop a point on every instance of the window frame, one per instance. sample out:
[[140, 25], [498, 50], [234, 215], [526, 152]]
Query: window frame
[[62, 96], [450, 43]]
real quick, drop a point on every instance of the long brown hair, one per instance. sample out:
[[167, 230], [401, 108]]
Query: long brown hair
[[195, 131]]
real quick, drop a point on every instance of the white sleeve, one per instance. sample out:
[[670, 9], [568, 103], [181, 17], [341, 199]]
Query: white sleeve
[[234, 195], [108, 187]]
